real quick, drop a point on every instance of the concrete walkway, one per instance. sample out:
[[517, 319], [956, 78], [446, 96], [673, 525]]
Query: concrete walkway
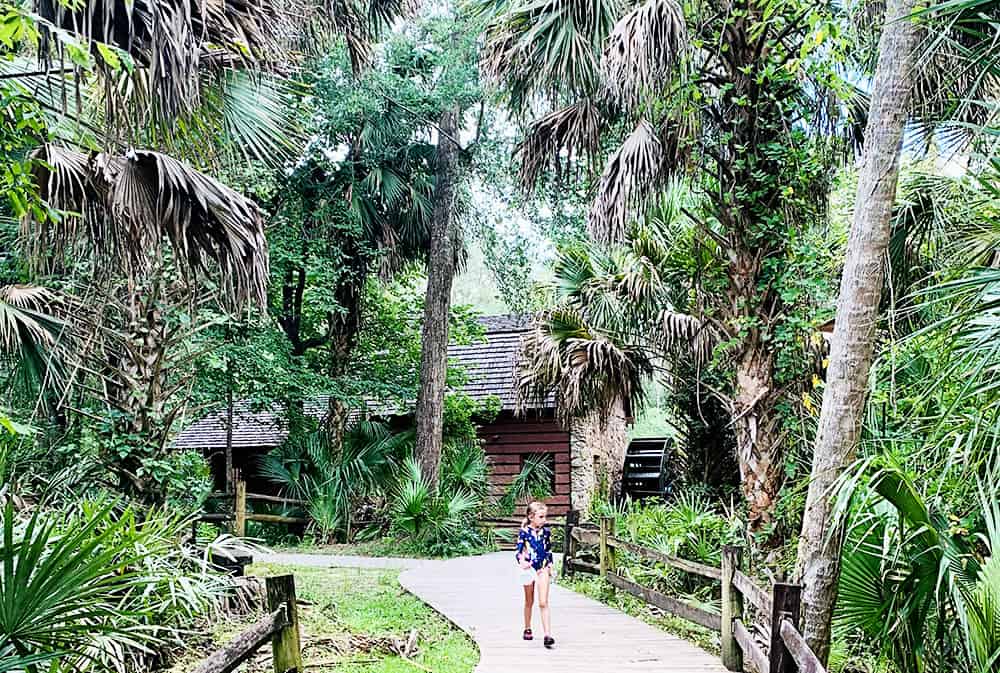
[[481, 595]]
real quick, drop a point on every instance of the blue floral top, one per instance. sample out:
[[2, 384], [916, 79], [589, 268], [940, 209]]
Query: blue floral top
[[536, 548]]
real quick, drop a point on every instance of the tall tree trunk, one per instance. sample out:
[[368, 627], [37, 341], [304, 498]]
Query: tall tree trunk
[[756, 424], [440, 274], [840, 420]]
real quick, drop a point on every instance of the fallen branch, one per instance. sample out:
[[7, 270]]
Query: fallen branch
[[413, 663]]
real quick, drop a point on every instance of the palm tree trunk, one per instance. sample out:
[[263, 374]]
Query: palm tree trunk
[[756, 424], [840, 420], [440, 274]]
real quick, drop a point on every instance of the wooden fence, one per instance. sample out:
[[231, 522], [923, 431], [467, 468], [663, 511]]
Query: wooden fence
[[280, 627], [239, 515], [777, 610]]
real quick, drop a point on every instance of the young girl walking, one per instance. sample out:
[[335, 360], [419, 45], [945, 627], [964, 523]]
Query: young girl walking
[[534, 556]]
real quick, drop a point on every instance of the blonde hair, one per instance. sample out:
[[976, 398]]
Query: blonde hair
[[532, 508]]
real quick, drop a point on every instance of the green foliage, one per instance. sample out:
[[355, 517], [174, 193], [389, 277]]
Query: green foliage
[[95, 586], [464, 468], [533, 482], [688, 525], [918, 583], [335, 480], [441, 520]]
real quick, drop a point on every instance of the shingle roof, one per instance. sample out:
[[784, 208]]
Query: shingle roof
[[490, 370], [490, 366]]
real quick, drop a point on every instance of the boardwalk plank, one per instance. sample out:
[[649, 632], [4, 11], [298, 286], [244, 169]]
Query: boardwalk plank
[[481, 596]]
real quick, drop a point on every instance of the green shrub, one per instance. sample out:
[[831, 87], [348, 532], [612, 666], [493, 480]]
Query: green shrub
[[533, 482], [919, 585], [95, 586], [443, 522]]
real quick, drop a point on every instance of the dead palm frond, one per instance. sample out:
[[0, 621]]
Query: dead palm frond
[[643, 51], [558, 139], [30, 333], [631, 173], [587, 370], [123, 206], [682, 333], [170, 42]]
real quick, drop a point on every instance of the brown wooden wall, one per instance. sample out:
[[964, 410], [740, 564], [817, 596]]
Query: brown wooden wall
[[509, 439]]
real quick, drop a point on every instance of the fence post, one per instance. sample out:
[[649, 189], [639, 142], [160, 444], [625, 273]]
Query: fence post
[[285, 647], [732, 608], [785, 605], [572, 518], [240, 509], [607, 553]]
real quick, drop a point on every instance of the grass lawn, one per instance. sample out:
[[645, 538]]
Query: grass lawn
[[349, 619]]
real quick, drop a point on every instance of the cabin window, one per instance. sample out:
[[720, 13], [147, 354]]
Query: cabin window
[[546, 459]]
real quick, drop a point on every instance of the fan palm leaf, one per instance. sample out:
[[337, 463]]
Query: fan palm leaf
[[587, 370], [627, 182], [912, 582], [643, 52], [30, 335], [123, 206], [547, 48]]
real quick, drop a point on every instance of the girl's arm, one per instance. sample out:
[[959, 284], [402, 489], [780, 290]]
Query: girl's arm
[[548, 547]]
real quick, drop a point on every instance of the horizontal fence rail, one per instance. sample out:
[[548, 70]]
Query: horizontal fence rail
[[666, 559], [780, 647], [240, 515], [280, 628]]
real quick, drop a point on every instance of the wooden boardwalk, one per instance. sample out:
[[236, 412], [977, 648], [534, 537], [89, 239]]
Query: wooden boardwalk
[[480, 594]]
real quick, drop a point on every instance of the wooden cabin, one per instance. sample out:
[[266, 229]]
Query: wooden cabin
[[490, 367]]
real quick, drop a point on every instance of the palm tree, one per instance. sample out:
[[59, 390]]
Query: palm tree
[[662, 74], [852, 350], [121, 209], [737, 98], [614, 325]]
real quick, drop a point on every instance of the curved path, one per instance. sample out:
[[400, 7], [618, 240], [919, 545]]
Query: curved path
[[480, 594]]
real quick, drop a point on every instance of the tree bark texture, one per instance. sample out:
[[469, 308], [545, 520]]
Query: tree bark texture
[[440, 274], [756, 424], [840, 422]]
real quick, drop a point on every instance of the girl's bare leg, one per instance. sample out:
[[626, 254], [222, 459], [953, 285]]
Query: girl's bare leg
[[542, 580], [529, 601]]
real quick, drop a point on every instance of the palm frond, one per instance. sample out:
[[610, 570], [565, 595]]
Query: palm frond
[[31, 335], [628, 181], [171, 43], [644, 51], [560, 138], [587, 371], [547, 49], [679, 331], [349, 20], [123, 206]]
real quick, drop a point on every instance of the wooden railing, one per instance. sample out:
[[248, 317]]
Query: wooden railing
[[777, 611], [239, 516], [280, 627]]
